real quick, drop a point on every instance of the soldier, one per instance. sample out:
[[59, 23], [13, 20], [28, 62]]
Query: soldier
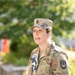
[[47, 58]]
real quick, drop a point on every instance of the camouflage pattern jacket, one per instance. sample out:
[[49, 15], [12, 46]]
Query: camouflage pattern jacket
[[52, 62]]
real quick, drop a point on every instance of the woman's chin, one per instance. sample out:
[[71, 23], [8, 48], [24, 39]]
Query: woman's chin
[[38, 43]]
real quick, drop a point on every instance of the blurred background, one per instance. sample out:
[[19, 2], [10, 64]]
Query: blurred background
[[16, 20]]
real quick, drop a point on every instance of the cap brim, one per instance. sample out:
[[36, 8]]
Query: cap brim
[[37, 25]]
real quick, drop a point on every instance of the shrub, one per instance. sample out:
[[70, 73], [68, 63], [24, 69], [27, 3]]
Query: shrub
[[14, 59], [72, 69]]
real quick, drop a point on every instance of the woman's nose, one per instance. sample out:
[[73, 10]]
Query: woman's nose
[[37, 33]]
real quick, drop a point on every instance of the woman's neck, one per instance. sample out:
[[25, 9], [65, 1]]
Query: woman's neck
[[43, 47]]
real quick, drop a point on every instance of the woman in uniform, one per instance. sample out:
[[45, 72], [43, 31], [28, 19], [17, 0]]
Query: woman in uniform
[[47, 58]]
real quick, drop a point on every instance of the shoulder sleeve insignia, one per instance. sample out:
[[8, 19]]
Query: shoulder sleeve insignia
[[63, 64]]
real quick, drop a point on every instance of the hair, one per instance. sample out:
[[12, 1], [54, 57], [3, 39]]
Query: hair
[[4, 36], [48, 30]]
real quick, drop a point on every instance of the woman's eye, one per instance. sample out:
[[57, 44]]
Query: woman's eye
[[33, 30]]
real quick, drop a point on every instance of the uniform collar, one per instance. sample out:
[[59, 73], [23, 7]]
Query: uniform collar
[[46, 52]]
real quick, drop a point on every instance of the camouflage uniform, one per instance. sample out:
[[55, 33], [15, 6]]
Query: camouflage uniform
[[52, 62]]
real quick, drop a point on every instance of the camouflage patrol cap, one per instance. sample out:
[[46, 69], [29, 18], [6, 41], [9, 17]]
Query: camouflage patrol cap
[[42, 23]]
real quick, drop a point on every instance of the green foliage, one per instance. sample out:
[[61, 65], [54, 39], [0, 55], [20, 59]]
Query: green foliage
[[9, 58], [17, 16], [21, 61], [16, 60], [14, 46], [72, 69]]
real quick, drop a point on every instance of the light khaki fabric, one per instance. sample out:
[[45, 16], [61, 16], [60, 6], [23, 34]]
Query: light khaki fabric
[[52, 62], [43, 23]]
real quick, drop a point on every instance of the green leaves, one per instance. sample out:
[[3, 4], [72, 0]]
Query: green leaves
[[17, 17]]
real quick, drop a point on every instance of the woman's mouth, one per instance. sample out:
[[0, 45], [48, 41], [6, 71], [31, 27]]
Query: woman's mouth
[[37, 38]]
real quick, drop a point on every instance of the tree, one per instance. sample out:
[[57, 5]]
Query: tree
[[16, 19]]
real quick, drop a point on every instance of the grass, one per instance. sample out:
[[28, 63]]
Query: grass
[[72, 68], [71, 59]]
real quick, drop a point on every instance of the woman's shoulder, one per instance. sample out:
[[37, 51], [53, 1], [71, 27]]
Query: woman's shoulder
[[56, 50], [34, 51], [59, 50]]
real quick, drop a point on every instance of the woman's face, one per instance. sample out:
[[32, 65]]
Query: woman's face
[[40, 35]]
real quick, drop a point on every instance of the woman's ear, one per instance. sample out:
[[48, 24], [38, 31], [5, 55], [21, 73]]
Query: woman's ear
[[50, 34]]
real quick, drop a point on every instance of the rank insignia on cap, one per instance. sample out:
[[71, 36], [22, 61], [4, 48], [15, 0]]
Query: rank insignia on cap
[[63, 64], [42, 23]]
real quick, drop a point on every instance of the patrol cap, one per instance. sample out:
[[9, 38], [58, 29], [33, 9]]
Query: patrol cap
[[42, 23]]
